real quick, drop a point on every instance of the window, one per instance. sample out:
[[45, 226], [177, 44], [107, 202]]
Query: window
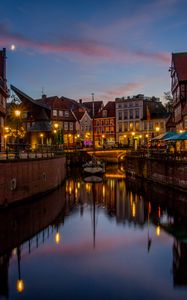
[[65, 125], [125, 126], [120, 127], [131, 114], [106, 122], [111, 122], [66, 113], [71, 126], [131, 126], [137, 113], [54, 112], [111, 129], [125, 114], [120, 115], [104, 113], [137, 126], [60, 113]]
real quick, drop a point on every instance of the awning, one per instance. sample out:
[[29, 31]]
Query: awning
[[178, 137], [164, 136]]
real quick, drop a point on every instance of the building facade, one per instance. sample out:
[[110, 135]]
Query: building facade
[[3, 97], [178, 71], [138, 119], [105, 126]]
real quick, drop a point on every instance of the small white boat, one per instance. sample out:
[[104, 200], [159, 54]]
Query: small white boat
[[94, 167]]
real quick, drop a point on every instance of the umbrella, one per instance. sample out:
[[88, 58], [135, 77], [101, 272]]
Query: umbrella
[[164, 136], [178, 137]]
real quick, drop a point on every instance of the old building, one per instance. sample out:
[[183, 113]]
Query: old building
[[3, 97], [138, 119], [178, 71], [105, 126]]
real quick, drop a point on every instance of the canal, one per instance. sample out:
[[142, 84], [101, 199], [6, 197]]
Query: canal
[[115, 239]]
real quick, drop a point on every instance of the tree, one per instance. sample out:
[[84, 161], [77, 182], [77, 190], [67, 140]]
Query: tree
[[169, 101]]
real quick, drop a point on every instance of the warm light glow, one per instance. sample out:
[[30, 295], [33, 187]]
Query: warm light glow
[[5, 136], [12, 47], [17, 113], [159, 211], [57, 238], [115, 176], [69, 135], [133, 133], [133, 209], [20, 285], [56, 125], [103, 136], [6, 128], [158, 230], [146, 135], [54, 131], [181, 131], [157, 129], [78, 185], [41, 135], [125, 136], [140, 136], [78, 135]]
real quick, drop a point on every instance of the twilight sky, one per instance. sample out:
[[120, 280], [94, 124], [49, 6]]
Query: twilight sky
[[113, 48]]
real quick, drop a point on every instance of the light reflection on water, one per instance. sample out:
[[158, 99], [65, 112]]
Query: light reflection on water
[[117, 239]]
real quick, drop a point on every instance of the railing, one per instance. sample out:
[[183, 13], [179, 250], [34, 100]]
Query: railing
[[22, 151], [161, 154]]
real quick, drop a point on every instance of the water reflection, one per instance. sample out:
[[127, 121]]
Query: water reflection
[[116, 235]]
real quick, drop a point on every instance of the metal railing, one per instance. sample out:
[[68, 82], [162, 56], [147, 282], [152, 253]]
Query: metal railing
[[25, 151], [161, 154]]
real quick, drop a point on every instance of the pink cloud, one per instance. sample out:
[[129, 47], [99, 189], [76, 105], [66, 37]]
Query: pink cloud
[[83, 46], [124, 89]]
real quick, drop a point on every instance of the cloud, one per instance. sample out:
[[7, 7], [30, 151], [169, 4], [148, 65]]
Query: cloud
[[82, 46], [124, 89]]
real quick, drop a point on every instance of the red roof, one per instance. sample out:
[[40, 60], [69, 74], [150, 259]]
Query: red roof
[[110, 108], [180, 64]]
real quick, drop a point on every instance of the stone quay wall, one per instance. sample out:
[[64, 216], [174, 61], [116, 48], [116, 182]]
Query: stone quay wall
[[21, 179], [171, 173]]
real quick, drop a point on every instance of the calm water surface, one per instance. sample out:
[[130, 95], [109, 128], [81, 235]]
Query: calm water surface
[[116, 239]]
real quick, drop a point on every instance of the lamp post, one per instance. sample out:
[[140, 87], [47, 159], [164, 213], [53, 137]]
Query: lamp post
[[17, 113]]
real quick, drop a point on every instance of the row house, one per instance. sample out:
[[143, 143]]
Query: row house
[[32, 125], [83, 127], [139, 119], [63, 121], [178, 71], [3, 97], [105, 126]]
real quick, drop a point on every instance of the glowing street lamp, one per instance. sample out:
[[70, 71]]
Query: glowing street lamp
[[17, 114], [41, 136]]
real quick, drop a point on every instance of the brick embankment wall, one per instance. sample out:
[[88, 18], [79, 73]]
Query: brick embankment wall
[[27, 178], [172, 173]]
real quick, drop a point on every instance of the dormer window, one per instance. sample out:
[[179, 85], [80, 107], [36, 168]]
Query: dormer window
[[104, 113]]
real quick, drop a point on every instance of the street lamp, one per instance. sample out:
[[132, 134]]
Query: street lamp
[[17, 113], [41, 135], [157, 130]]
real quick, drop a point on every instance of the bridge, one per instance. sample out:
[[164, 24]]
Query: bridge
[[109, 156]]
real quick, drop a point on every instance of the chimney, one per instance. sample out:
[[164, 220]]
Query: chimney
[[80, 101], [44, 96]]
